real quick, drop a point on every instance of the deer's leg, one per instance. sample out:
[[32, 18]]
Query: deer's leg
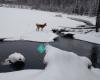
[[41, 29], [37, 29]]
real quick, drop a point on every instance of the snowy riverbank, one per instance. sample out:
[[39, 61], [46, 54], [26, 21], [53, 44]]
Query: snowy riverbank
[[20, 24], [61, 65]]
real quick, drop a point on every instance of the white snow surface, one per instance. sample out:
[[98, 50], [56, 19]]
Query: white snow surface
[[61, 65], [92, 37], [20, 24], [14, 57], [41, 36]]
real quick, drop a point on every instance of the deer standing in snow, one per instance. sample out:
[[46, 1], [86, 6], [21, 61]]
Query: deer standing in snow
[[40, 26]]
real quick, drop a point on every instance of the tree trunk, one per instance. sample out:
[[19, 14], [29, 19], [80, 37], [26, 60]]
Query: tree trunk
[[98, 18]]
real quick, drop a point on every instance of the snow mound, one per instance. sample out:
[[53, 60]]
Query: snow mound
[[62, 65], [86, 61], [14, 58]]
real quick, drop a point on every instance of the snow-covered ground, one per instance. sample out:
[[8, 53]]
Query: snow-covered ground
[[61, 65], [20, 24], [91, 19], [92, 37]]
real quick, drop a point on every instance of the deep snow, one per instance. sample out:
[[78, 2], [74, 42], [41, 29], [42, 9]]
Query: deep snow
[[61, 65], [20, 24]]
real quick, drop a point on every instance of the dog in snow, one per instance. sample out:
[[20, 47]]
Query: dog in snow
[[40, 26]]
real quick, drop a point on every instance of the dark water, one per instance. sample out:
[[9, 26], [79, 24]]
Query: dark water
[[34, 60]]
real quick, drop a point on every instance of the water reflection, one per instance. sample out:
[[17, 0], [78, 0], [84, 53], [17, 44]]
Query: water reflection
[[19, 65], [35, 59]]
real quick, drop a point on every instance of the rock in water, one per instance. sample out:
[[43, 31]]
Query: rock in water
[[2, 39], [13, 58], [69, 35]]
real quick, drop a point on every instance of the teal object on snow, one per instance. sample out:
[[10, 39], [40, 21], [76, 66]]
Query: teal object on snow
[[41, 48]]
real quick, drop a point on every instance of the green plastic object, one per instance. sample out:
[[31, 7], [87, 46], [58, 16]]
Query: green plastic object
[[41, 48]]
